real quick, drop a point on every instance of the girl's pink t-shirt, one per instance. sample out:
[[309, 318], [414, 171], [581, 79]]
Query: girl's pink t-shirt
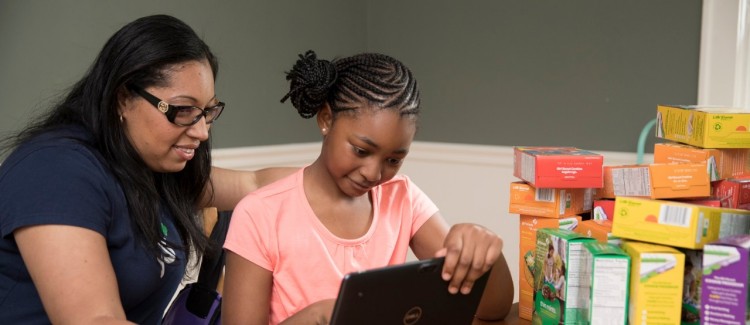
[[275, 228]]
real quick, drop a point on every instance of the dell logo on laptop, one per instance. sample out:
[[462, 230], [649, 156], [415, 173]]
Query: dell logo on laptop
[[412, 316]]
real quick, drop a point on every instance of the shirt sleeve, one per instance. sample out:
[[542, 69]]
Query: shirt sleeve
[[422, 206], [60, 185], [250, 234]]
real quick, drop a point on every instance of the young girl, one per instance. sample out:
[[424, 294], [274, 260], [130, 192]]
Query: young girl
[[291, 243]]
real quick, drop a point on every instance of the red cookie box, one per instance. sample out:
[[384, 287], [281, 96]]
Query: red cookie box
[[558, 167]]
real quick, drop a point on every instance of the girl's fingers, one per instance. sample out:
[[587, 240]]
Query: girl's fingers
[[469, 252], [452, 253], [462, 263]]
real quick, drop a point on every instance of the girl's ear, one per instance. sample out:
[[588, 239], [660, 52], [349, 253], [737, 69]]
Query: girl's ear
[[325, 119]]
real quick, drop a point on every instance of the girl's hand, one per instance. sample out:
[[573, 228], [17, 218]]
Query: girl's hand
[[470, 250]]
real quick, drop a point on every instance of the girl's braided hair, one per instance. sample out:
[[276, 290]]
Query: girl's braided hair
[[373, 79]]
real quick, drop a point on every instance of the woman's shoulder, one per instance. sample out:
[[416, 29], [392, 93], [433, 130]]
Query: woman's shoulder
[[63, 138], [60, 179], [64, 149]]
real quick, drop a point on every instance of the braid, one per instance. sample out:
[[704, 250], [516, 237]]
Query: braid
[[311, 80], [375, 79]]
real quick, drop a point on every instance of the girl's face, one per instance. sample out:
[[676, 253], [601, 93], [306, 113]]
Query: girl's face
[[366, 148], [163, 146]]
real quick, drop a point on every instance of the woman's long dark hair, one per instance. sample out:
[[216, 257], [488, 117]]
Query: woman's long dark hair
[[139, 55]]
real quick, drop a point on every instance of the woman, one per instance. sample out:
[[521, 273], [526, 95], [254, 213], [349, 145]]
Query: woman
[[98, 198]]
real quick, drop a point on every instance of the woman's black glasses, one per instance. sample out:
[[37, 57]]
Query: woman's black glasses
[[182, 115]]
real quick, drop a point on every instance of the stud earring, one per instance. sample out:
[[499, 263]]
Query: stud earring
[[120, 118], [324, 130]]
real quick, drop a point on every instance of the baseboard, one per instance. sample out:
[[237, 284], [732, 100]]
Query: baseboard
[[250, 158]]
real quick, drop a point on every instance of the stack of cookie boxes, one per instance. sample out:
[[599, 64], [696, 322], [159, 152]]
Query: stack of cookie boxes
[[681, 222], [555, 190], [666, 212]]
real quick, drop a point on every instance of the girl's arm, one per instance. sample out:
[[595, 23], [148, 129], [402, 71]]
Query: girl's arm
[[247, 297], [498, 294], [469, 250], [72, 272], [318, 313], [246, 292], [229, 186]]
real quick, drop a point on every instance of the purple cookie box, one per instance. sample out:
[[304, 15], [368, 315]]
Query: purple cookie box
[[724, 292]]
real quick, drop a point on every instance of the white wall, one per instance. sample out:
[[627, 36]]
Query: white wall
[[724, 67], [718, 52], [470, 183]]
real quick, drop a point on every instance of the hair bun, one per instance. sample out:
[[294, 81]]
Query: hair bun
[[311, 79]]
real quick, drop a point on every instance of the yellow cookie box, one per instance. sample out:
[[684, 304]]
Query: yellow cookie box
[[675, 224], [705, 127], [656, 274]]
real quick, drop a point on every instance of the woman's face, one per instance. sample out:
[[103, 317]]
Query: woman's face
[[163, 146]]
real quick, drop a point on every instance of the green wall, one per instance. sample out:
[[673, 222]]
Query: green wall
[[586, 73], [46, 45]]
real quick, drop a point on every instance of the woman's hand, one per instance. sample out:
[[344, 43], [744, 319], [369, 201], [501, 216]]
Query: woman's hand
[[470, 250]]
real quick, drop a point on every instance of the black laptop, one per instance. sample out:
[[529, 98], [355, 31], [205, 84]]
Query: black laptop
[[409, 293]]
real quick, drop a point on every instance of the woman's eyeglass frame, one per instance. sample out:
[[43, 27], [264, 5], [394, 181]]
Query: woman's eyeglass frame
[[170, 111]]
